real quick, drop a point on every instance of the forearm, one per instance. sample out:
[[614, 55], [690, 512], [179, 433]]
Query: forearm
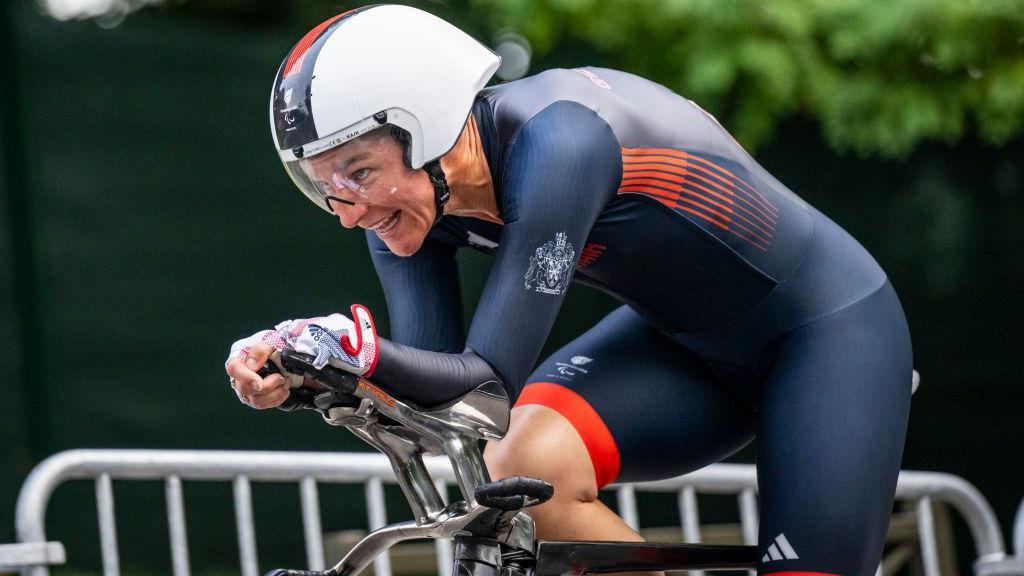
[[429, 378]]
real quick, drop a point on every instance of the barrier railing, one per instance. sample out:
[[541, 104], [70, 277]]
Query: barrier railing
[[1011, 565], [308, 469], [1018, 532]]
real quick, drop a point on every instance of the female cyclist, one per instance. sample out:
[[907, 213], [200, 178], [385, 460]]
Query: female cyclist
[[747, 314]]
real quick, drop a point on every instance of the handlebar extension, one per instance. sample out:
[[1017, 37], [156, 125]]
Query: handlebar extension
[[340, 384], [514, 493]]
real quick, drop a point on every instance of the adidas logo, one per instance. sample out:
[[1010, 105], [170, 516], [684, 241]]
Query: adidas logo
[[780, 550]]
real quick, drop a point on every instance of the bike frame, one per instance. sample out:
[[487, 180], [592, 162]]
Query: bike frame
[[489, 541]]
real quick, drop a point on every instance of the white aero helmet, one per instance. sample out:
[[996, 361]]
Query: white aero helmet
[[377, 65]]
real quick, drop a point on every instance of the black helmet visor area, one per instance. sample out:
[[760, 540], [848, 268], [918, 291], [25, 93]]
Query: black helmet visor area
[[293, 123], [293, 119]]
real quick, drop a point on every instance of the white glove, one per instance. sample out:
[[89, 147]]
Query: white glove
[[340, 342], [333, 340]]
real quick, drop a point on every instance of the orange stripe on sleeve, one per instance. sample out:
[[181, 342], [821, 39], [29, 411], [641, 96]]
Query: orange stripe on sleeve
[[647, 164], [738, 180], [698, 186], [657, 174], [686, 160], [652, 190], [738, 212]]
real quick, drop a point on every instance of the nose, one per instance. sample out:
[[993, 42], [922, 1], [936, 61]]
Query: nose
[[349, 215]]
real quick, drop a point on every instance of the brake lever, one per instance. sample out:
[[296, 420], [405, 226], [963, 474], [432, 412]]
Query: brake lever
[[340, 384], [301, 398], [298, 398], [302, 364]]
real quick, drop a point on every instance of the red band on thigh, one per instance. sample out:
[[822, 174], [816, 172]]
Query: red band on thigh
[[604, 454]]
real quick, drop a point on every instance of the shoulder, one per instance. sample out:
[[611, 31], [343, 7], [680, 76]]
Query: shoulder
[[565, 131], [565, 162], [540, 101]]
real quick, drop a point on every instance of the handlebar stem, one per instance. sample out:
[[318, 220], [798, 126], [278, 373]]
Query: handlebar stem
[[406, 457], [468, 464]]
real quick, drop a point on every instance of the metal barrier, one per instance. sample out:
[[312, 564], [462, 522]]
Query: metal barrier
[[1018, 532], [307, 469], [1011, 565], [921, 488]]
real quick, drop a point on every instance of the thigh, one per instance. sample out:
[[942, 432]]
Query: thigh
[[642, 405], [830, 438]]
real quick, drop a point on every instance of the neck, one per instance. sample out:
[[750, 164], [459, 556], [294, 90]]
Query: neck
[[469, 178]]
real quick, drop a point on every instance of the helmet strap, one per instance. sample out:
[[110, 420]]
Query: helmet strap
[[441, 191]]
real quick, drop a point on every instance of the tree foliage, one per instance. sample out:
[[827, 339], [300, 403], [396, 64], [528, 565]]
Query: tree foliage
[[879, 76]]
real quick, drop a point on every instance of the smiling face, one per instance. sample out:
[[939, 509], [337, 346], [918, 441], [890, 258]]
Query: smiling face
[[368, 185]]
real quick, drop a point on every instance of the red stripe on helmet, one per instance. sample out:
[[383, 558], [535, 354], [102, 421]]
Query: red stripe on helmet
[[294, 62]]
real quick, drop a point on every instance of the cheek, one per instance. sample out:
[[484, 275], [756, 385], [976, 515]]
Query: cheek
[[412, 232], [415, 197], [417, 200], [411, 235]]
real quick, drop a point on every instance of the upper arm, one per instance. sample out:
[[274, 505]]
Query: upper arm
[[423, 295], [563, 169]]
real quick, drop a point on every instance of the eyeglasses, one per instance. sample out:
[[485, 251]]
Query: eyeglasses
[[332, 185]]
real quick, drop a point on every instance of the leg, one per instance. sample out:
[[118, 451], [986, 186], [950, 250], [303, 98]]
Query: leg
[[620, 402], [832, 424], [541, 443]]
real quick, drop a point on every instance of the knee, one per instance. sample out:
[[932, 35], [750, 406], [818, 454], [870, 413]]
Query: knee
[[508, 458], [547, 454]]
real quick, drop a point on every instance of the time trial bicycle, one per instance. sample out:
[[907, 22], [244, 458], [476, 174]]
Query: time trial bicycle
[[493, 534]]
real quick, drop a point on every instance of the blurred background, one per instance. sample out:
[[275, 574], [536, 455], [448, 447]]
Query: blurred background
[[146, 221]]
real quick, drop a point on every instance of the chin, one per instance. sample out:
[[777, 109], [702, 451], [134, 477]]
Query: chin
[[406, 245], [409, 233]]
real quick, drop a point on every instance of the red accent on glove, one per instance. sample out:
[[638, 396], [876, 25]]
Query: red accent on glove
[[346, 342]]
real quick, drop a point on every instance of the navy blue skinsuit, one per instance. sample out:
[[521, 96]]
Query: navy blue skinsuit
[[747, 314]]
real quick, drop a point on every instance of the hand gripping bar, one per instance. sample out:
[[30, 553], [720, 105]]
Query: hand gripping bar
[[340, 384]]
